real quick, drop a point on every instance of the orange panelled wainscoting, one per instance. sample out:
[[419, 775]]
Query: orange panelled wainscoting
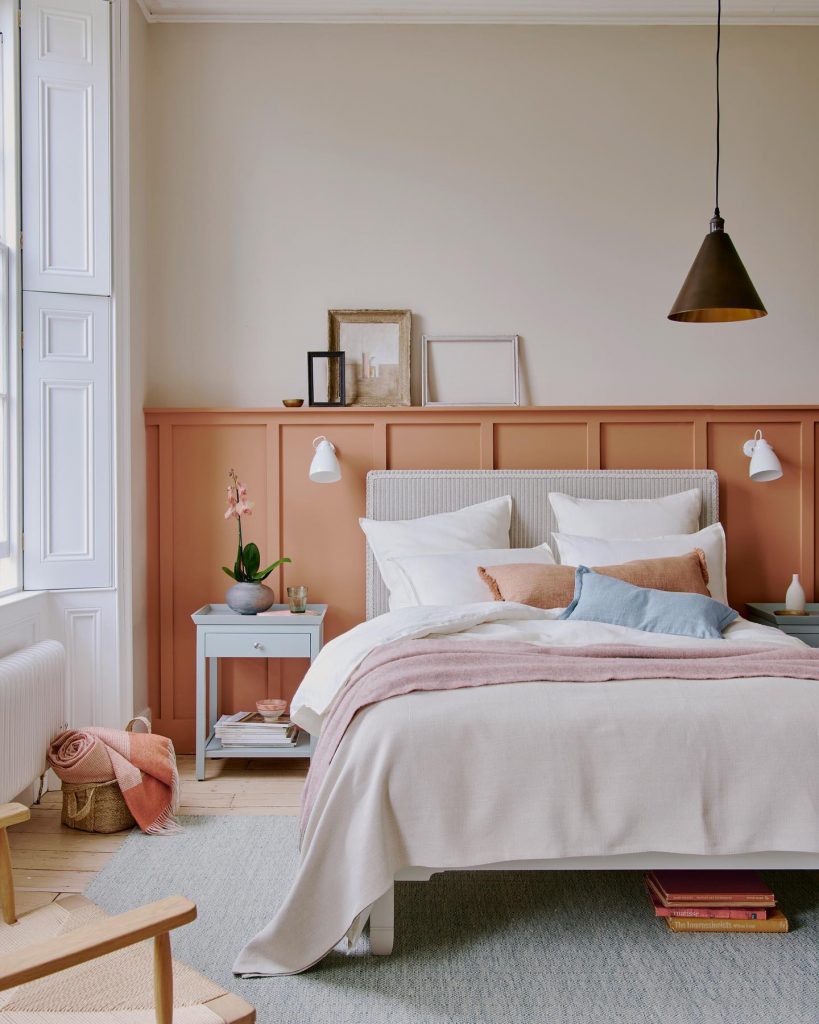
[[771, 527]]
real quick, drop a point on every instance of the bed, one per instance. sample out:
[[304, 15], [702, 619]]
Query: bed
[[529, 775]]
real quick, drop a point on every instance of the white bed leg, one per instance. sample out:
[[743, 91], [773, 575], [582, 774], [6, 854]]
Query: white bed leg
[[382, 923]]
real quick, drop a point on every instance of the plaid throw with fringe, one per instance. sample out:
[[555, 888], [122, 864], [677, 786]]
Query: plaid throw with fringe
[[143, 765]]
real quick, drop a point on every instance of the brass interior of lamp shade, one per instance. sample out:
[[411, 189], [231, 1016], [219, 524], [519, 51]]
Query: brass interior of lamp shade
[[718, 288]]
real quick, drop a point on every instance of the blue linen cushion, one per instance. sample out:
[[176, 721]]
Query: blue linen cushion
[[599, 598]]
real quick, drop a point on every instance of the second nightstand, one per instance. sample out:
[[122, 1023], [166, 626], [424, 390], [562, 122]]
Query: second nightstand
[[805, 627]]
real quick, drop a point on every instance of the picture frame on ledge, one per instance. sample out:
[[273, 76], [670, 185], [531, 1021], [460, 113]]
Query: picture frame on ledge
[[377, 347], [470, 370], [325, 379]]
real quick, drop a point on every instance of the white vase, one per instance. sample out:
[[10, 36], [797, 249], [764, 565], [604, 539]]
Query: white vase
[[795, 596]]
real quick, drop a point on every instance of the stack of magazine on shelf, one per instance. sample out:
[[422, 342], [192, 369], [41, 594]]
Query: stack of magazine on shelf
[[714, 901], [249, 729]]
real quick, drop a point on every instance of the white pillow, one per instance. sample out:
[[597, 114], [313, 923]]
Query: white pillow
[[627, 517], [453, 578], [601, 551], [468, 529]]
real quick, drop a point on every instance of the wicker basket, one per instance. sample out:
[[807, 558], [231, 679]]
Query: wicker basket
[[97, 806]]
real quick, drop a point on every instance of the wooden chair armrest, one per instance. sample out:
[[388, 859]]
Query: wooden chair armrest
[[13, 814], [97, 939]]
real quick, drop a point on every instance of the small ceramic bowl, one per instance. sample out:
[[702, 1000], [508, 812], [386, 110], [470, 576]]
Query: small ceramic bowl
[[292, 403], [271, 710]]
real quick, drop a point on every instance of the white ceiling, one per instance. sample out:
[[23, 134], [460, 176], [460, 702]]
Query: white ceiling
[[526, 12]]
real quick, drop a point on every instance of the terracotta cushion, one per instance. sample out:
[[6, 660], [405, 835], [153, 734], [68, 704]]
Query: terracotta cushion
[[552, 586]]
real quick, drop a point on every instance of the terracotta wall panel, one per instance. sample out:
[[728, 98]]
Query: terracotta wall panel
[[814, 429], [326, 559], [203, 541], [541, 446], [762, 521], [770, 527], [152, 569], [647, 445], [433, 446]]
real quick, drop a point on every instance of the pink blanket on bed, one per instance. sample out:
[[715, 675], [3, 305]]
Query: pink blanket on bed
[[407, 666]]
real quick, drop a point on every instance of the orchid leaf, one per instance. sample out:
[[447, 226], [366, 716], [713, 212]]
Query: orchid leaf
[[251, 559], [230, 572], [266, 572]]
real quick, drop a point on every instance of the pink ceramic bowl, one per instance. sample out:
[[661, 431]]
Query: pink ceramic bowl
[[272, 709]]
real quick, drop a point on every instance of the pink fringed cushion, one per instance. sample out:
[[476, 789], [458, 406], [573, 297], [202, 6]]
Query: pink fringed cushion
[[552, 586]]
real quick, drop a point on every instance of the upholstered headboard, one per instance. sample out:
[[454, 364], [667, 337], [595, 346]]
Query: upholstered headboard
[[410, 493]]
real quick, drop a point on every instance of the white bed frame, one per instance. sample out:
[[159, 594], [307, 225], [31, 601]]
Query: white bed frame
[[408, 494]]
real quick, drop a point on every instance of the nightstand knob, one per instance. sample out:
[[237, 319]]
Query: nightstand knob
[[257, 646]]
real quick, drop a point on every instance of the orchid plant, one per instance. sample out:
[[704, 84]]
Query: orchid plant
[[248, 558]]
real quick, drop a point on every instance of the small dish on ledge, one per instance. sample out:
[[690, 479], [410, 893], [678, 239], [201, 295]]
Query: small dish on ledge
[[271, 710], [292, 403]]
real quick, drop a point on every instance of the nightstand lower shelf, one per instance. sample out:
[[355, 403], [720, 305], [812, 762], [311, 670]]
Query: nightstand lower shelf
[[302, 748]]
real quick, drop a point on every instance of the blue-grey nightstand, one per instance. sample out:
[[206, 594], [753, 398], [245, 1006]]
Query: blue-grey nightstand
[[806, 626], [222, 633]]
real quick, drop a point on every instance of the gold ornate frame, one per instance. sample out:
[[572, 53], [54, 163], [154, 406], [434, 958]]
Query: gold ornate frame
[[402, 317]]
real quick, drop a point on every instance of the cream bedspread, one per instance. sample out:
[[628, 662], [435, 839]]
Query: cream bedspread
[[539, 770]]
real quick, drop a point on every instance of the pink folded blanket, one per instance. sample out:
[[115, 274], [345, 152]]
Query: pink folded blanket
[[407, 666], [143, 765]]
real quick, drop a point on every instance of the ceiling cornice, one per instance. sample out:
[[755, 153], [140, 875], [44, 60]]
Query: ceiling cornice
[[485, 12]]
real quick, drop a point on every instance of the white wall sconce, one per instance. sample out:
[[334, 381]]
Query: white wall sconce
[[324, 469], [764, 465]]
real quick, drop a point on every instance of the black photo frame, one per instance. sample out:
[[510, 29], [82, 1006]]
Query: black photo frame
[[335, 377]]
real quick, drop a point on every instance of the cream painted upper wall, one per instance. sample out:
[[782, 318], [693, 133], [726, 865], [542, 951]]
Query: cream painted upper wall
[[550, 181]]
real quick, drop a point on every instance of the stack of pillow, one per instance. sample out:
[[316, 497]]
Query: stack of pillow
[[652, 567]]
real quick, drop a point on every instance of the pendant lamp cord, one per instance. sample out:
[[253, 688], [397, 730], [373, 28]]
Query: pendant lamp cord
[[716, 181]]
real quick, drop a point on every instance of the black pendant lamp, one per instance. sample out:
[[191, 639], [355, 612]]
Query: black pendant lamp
[[717, 288]]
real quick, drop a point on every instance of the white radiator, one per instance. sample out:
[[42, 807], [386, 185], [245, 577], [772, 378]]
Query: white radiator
[[32, 685]]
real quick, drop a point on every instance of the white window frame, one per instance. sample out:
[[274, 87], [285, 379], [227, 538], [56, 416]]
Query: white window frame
[[5, 418], [10, 305]]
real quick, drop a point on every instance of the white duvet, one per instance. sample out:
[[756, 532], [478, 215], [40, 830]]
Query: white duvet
[[539, 770]]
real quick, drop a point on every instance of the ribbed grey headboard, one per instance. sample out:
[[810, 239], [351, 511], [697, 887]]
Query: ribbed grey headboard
[[410, 493]]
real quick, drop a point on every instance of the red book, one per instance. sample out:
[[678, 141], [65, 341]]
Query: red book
[[721, 913], [711, 888]]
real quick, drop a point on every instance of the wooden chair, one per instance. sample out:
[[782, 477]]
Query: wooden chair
[[153, 921]]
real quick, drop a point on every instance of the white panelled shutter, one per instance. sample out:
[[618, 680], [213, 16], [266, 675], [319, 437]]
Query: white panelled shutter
[[66, 143], [67, 453]]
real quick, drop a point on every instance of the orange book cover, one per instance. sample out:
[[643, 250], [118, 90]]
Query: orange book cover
[[774, 922]]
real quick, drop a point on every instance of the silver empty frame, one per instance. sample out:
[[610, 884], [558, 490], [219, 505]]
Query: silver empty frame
[[470, 370]]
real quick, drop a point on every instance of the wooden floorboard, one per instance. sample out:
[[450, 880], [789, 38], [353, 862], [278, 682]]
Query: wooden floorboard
[[50, 859]]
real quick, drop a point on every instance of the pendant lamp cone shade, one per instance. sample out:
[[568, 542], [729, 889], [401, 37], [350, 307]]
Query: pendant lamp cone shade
[[718, 288]]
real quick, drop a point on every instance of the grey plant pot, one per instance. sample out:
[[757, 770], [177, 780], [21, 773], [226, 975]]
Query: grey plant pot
[[250, 598]]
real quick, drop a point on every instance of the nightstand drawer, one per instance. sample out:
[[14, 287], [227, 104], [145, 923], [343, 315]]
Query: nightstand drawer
[[258, 644]]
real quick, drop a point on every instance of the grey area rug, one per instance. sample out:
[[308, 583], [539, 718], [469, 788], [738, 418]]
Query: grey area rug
[[475, 948]]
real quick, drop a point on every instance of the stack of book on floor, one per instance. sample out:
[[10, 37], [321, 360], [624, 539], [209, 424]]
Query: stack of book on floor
[[249, 729], [714, 901]]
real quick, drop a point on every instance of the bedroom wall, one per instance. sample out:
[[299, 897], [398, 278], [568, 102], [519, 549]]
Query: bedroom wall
[[553, 181]]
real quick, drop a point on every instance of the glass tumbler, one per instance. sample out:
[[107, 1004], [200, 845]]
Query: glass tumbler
[[297, 599]]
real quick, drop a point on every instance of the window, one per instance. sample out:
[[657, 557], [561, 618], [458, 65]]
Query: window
[[5, 433], [10, 490]]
